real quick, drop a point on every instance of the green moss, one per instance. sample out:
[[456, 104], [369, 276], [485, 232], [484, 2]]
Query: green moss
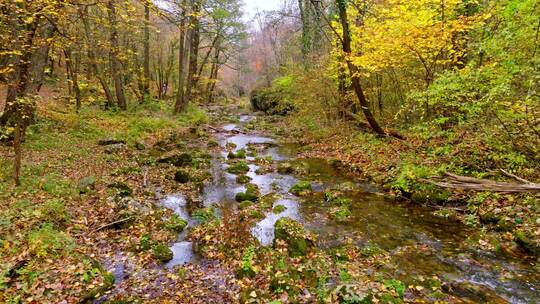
[[240, 154], [340, 213], [238, 168], [285, 168], [251, 194], [301, 188], [162, 252], [243, 179], [245, 204], [176, 223], [294, 234], [278, 209], [46, 241]]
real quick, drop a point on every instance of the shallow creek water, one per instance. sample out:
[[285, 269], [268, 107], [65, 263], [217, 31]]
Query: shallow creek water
[[421, 245]]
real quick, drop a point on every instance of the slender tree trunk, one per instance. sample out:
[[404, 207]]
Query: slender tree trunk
[[73, 75], [146, 64], [115, 62], [193, 51], [18, 154], [93, 59], [353, 69], [180, 97]]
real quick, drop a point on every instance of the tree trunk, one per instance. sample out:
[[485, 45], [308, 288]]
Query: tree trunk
[[19, 131], [353, 69], [93, 59], [73, 75], [29, 68], [180, 97], [146, 64], [193, 51], [115, 62]]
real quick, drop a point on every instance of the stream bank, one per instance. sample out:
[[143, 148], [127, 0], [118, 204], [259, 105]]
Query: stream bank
[[264, 224]]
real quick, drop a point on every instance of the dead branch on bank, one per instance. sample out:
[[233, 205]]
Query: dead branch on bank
[[454, 181]]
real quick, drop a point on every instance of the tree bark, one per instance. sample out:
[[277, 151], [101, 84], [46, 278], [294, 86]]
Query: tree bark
[[180, 97], [115, 62], [353, 69], [93, 59], [146, 64], [194, 50], [73, 75]]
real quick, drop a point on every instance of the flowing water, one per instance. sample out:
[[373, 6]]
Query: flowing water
[[421, 245]]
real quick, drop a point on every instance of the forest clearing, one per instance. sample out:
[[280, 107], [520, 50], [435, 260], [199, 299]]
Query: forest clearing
[[317, 151]]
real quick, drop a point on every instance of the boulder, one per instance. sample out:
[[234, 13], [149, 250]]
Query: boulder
[[162, 253], [86, 184], [251, 194], [298, 240], [115, 148]]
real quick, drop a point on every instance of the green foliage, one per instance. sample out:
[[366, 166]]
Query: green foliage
[[46, 241]]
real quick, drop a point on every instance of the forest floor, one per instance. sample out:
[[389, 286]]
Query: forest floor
[[58, 229], [91, 199]]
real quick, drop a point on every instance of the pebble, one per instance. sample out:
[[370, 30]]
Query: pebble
[[538, 221]]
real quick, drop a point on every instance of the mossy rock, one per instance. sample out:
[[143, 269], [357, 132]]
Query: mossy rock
[[301, 188], [285, 168], [238, 168], [178, 160], [278, 209], [108, 283], [122, 189], [182, 176], [176, 224], [299, 241], [86, 184], [251, 194], [243, 179], [212, 144], [527, 242], [162, 253], [240, 154]]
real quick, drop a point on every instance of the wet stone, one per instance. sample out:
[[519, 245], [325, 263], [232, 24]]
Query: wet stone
[[115, 148]]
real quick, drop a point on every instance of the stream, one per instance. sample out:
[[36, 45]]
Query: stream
[[421, 245]]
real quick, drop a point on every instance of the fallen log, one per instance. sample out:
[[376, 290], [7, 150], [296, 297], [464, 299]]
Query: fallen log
[[454, 181]]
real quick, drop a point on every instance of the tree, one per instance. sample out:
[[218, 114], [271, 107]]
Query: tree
[[114, 55], [353, 69]]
